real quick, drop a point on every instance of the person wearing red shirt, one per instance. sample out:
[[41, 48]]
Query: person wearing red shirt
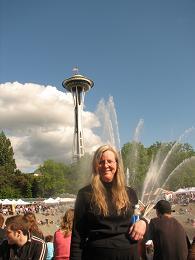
[[62, 237]]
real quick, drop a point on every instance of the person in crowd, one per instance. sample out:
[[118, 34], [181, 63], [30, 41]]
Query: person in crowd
[[103, 209], [50, 247], [149, 250], [19, 243], [168, 235], [2, 230], [192, 250], [33, 225], [62, 237]]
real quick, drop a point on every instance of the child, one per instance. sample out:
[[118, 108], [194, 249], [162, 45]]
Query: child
[[62, 236], [50, 247]]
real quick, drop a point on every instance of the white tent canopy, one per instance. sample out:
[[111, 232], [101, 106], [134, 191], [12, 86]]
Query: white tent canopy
[[180, 191], [13, 202], [7, 202], [186, 190], [46, 201], [51, 201], [58, 200], [67, 199], [21, 202]]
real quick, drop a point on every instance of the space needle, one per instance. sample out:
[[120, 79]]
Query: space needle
[[78, 85]]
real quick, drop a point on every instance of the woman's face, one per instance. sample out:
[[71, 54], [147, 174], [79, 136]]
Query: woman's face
[[107, 166]]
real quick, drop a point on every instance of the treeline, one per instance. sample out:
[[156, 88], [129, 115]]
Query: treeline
[[55, 178]]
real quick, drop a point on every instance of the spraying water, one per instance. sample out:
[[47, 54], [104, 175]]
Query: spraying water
[[127, 177], [185, 162], [178, 170], [113, 115], [107, 116], [138, 129], [157, 175], [133, 154]]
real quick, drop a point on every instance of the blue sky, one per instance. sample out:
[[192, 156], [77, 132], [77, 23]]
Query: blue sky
[[140, 52]]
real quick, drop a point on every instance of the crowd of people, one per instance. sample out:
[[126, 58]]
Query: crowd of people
[[36, 207], [184, 198], [100, 227], [21, 238]]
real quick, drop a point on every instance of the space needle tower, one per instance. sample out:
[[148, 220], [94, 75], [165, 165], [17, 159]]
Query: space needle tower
[[78, 85]]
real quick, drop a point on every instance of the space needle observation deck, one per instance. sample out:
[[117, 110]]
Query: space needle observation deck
[[78, 85]]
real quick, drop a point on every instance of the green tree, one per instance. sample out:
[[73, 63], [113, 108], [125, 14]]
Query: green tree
[[36, 186], [7, 169], [136, 159], [22, 183], [53, 179], [6, 154]]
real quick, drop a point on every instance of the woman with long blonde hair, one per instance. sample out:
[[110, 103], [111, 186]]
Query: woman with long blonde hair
[[103, 209]]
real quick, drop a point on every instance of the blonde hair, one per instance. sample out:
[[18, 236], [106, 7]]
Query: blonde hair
[[67, 222], [119, 194], [1, 220]]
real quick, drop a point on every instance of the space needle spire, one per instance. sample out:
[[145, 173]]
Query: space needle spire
[[78, 85]]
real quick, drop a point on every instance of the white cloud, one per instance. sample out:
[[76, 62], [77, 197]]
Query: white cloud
[[39, 120]]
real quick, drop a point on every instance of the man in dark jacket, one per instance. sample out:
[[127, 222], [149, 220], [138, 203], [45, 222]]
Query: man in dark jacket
[[168, 236], [19, 243]]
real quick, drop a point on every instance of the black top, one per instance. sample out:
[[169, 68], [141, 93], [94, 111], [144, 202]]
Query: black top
[[90, 229], [169, 239], [2, 235], [34, 249]]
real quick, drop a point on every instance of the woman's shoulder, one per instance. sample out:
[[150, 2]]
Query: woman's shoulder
[[86, 189], [130, 190], [61, 231], [84, 194], [57, 231], [132, 195]]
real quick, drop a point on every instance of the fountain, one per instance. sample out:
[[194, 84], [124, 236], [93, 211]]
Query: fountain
[[158, 175], [107, 116], [127, 176], [185, 162], [133, 156]]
